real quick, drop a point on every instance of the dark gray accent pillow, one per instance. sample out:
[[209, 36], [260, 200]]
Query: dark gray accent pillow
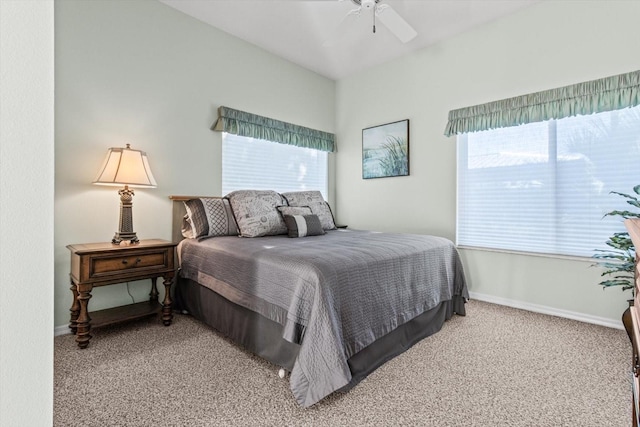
[[208, 216], [303, 225]]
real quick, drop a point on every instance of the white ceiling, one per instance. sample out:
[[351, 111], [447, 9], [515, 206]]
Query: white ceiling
[[298, 30]]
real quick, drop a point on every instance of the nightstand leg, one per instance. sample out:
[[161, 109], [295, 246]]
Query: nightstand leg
[[153, 295], [167, 313], [84, 321], [75, 310]]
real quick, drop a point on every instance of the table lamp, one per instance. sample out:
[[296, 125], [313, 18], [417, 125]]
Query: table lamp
[[128, 167]]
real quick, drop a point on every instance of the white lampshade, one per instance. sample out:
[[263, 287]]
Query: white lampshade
[[125, 166]]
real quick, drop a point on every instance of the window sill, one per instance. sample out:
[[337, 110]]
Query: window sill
[[535, 254]]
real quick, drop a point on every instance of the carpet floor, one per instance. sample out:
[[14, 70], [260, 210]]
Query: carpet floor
[[497, 366]]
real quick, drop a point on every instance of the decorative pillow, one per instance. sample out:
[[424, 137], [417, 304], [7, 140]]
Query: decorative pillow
[[294, 210], [256, 212], [208, 216], [315, 201], [303, 225]]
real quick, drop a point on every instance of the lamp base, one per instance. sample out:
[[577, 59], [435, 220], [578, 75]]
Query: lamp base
[[121, 237], [125, 231]]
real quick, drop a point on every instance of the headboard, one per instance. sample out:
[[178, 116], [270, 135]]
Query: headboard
[[178, 213]]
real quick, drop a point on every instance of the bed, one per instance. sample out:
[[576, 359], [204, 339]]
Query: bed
[[329, 307]]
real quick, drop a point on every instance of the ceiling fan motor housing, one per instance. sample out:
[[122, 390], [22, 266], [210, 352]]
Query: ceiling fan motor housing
[[366, 4]]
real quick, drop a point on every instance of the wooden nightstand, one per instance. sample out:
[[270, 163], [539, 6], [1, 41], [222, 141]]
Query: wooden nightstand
[[100, 264]]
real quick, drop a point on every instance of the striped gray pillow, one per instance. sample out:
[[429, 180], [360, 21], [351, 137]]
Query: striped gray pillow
[[208, 216], [303, 225], [295, 210], [314, 200]]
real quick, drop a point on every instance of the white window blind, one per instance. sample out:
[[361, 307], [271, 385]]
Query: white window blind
[[249, 163], [544, 187]]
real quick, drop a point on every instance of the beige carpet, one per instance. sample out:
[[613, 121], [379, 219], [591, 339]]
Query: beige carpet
[[495, 367]]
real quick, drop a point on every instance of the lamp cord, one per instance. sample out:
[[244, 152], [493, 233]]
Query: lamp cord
[[129, 292]]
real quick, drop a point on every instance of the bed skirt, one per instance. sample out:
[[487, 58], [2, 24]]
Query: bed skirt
[[263, 336]]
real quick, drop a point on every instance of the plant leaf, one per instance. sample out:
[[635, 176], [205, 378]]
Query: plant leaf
[[624, 214], [623, 195]]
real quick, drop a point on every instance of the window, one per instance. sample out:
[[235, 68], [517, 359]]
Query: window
[[249, 163], [544, 187]]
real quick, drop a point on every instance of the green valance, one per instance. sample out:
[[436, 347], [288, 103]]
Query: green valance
[[250, 125], [596, 96]]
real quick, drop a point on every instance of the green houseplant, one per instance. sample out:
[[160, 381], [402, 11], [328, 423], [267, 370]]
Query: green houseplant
[[618, 261]]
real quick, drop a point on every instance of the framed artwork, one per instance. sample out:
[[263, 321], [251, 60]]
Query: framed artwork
[[385, 150]]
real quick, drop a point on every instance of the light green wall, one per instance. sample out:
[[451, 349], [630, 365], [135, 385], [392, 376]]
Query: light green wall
[[26, 213], [548, 45], [143, 73], [140, 72]]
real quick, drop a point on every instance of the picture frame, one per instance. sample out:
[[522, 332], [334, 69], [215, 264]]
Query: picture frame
[[385, 150]]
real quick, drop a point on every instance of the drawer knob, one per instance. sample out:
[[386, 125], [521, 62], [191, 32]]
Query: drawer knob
[[124, 261]]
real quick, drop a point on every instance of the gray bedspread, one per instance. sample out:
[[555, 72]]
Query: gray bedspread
[[334, 294]]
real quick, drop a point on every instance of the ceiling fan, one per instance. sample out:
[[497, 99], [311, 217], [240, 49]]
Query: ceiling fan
[[387, 15]]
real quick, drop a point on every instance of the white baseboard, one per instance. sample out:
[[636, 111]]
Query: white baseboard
[[61, 330], [581, 317]]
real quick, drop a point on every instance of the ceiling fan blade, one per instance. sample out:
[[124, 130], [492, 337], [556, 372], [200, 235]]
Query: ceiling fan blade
[[394, 22]]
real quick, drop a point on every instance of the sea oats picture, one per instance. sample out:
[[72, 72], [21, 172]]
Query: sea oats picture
[[385, 150]]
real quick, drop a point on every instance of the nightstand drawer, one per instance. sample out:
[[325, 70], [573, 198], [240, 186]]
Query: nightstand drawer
[[115, 265], [104, 263]]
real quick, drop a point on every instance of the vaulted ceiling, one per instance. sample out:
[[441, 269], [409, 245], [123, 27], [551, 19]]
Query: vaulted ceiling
[[316, 35]]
